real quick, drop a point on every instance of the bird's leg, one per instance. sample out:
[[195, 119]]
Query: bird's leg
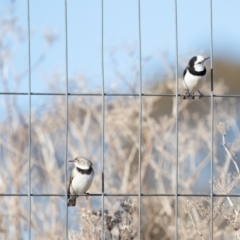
[[193, 97], [87, 195], [187, 95], [201, 95]]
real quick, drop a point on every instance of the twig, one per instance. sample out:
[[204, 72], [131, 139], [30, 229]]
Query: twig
[[194, 225], [228, 153]]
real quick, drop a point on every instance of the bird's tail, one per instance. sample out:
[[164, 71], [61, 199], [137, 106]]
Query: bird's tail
[[71, 202]]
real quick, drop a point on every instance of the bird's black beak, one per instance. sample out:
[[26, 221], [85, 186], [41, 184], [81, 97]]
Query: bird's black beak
[[206, 58], [71, 160]]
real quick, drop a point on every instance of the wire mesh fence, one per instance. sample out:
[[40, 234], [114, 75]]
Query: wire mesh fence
[[163, 167]]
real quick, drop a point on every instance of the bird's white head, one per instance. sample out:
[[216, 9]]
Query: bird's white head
[[197, 63], [82, 163]]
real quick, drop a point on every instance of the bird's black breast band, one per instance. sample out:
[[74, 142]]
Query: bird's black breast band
[[85, 171]]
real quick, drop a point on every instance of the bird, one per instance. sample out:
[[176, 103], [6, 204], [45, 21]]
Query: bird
[[194, 76], [81, 179]]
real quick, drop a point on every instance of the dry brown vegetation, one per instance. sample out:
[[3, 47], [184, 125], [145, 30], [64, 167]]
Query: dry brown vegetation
[[121, 162]]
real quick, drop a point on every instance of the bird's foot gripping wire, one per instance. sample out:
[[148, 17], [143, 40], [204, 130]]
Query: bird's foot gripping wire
[[188, 95], [200, 94], [87, 195], [71, 202]]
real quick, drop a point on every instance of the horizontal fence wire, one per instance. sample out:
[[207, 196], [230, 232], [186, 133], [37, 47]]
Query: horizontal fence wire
[[119, 195], [118, 94]]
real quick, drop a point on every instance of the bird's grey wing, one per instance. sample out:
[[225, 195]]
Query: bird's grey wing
[[70, 181], [185, 71]]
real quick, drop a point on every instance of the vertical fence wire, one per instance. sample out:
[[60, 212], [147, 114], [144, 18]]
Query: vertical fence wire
[[66, 120], [176, 76], [140, 120], [103, 110], [29, 121], [212, 118]]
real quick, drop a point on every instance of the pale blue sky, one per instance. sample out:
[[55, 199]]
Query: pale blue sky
[[120, 33]]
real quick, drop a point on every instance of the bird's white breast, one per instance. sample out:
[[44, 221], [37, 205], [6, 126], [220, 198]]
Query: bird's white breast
[[81, 182], [193, 83]]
